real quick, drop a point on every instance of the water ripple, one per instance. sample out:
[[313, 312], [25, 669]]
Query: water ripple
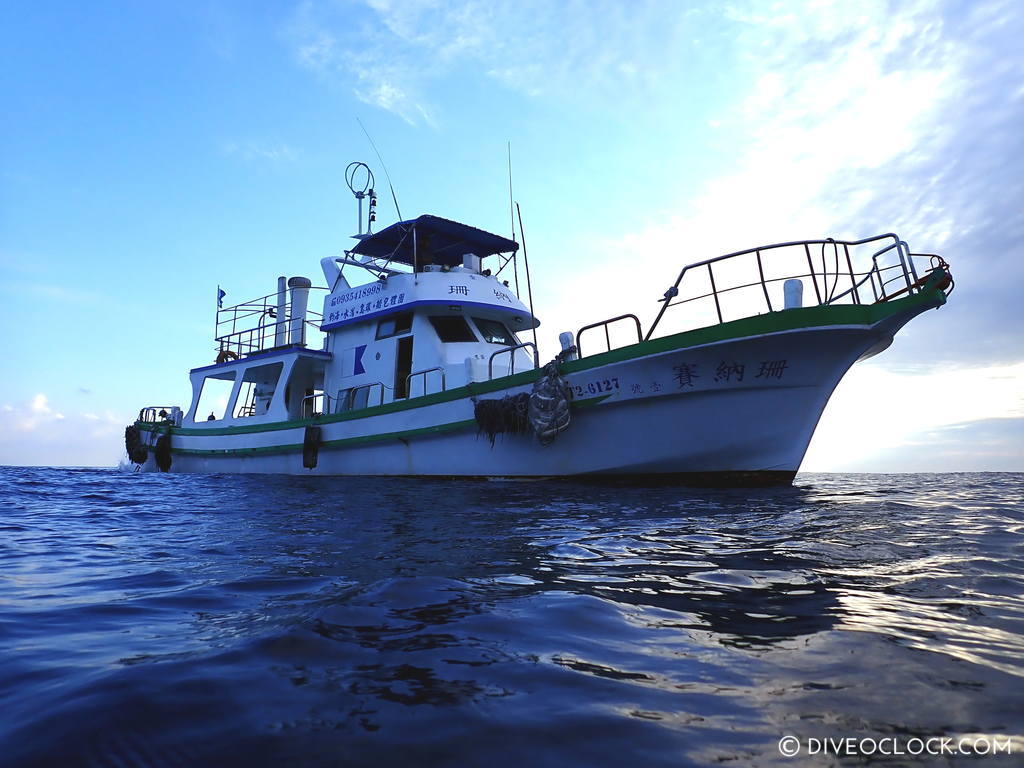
[[166, 621]]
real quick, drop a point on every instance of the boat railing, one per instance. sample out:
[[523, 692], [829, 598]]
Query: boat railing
[[356, 398], [255, 326], [866, 271], [152, 414], [607, 335], [424, 373], [312, 405], [510, 351]]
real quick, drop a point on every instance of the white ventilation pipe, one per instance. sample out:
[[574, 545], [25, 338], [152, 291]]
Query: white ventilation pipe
[[281, 322], [300, 296], [793, 292]]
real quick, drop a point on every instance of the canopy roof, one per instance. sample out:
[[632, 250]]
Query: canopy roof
[[439, 241]]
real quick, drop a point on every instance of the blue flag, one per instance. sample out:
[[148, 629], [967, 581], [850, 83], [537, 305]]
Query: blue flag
[[220, 297]]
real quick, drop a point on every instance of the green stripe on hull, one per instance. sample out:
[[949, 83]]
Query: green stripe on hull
[[346, 442], [341, 443]]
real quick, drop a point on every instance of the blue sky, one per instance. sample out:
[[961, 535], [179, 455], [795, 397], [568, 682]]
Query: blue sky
[[150, 152]]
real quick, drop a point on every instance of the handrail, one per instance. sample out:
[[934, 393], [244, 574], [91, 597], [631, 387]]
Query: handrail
[[151, 413], [347, 403], [607, 336], [509, 351], [241, 329], [826, 277], [312, 408], [423, 373]]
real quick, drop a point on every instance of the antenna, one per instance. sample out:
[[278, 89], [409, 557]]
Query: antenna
[[529, 290], [360, 192], [511, 215], [388, 175]]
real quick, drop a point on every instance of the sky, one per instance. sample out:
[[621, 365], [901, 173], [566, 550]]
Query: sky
[[151, 152]]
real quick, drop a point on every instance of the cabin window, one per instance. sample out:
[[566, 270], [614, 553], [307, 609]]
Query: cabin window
[[257, 390], [394, 325], [213, 399], [494, 331], [452, 328]]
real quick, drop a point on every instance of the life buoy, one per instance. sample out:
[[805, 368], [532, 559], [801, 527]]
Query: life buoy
[[226, 354]]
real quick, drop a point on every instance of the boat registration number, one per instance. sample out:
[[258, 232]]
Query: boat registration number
[[595, 387]]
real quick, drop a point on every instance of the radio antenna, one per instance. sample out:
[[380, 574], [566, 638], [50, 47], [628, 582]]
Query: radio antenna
[[511, 215], [529, 290], [382, 165]]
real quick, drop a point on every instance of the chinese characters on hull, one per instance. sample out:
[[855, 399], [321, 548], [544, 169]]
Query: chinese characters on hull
[[772, 369], [729, 371], [686, 374]]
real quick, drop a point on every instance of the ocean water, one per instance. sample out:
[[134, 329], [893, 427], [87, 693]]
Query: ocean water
[[170, 620]]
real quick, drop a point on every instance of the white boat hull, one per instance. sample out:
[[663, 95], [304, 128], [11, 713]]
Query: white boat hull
[[738, 410]]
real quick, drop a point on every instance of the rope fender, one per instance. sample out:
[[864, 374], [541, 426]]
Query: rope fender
[[133, 446], [162, 452], [544, 411], [311, 447]]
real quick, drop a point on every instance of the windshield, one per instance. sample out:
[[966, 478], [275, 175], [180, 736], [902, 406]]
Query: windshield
[[494, 331], [452, 328]]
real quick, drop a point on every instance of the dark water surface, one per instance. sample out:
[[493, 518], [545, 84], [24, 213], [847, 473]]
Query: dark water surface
[[150, 620]]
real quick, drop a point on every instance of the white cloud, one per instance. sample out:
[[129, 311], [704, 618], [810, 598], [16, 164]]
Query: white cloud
[[35, 433], [255, 150], [394, 52], [876, 413]]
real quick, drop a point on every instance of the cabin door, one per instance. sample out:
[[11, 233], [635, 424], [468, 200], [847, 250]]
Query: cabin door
[[403, 366]]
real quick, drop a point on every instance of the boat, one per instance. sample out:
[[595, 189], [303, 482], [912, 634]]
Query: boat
[[424, 362]]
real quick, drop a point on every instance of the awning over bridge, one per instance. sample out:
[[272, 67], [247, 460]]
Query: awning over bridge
[[438, 241]]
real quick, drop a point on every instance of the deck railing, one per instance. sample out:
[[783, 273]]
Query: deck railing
[[510, 351], [424, 373], [607, 336], [356, 398], [171, 414], [254, 326], [866, 271], [754, 281]]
